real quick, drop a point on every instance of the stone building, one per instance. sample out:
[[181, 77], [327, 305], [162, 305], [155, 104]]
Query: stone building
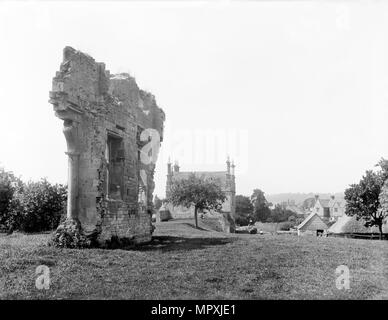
[[226, 180], [328, 209], [312, 225], [109, 125]]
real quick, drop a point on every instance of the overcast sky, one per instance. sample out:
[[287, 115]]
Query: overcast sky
[[296, 92]]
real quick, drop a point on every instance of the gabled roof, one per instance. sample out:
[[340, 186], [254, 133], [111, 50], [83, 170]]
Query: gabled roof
[[312, 214], [310, 217], [339, 225], [324, 203], [329, 203], [348, 224]]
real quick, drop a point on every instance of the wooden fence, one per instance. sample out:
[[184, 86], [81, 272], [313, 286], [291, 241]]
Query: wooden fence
[[370, 236]]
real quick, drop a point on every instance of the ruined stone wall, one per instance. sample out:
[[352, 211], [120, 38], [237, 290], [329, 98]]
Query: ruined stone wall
[[101, 112]]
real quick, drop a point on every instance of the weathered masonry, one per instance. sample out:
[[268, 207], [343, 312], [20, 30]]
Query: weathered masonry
[[108, 122]]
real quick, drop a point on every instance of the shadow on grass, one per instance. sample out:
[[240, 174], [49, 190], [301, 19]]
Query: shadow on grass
[[170, 243], [193, 227]]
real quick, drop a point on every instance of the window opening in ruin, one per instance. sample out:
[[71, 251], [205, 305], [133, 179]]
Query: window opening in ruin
[[115, 167]]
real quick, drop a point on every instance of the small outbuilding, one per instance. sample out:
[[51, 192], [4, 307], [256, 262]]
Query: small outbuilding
[[312, 225]]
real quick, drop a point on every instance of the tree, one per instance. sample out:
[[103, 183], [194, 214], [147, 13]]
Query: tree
[[9, 184], [383, 210], [383, 197], [157, 202], [383, 164], [244, 209], [37, 206], [261, 209], [32, 206], [280, 214], [202, 194], [363, 200], [6, 193], [308, 203]]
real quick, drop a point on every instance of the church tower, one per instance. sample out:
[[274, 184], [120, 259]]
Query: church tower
[[230, 190], [233, 190]]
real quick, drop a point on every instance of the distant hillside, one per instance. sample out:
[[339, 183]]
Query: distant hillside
[[299, 197]]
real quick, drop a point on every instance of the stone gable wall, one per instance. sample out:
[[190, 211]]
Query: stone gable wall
[[228, 185], [94, 105]]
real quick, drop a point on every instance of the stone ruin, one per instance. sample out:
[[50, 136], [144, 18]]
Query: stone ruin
[[113, 132]]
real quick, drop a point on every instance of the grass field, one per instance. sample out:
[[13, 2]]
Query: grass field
[[185, 263]]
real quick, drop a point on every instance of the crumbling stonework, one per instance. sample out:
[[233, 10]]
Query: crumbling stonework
[[108, 123]]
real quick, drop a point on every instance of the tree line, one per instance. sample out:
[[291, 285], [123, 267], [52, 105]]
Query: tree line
[[39, 206], [256, 208], [31, 206]]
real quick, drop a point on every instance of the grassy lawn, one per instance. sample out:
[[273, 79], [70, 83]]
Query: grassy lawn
[[185, 263]]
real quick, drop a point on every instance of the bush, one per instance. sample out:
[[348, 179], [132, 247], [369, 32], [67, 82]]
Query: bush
[[241, 220], [280, 214], [69, 235], [285, 226], [292, 219], [253, 230], [37, 206], [8, 185], [6, 192]]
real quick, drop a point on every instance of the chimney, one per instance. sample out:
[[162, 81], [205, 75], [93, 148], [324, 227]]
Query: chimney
[[228, 165], [316, 197], [332, 196], [176, 167]]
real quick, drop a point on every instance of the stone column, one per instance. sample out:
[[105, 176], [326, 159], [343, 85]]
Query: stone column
[[70, 130]]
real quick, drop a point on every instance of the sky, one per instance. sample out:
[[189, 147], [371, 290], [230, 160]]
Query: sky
[[294, 92]]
